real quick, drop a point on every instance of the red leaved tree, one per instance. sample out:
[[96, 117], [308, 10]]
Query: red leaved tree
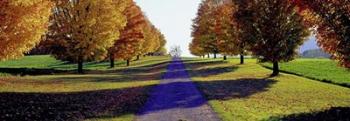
[[331, 18]]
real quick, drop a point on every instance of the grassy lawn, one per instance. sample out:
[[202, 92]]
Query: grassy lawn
[[246, 93], [318, 69], [100, 94], [48, 62]]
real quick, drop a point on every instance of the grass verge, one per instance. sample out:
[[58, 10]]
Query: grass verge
[[246, 93], [98, 95], [317, 69]]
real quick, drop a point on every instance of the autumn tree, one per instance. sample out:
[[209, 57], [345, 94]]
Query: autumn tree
[[22, 24], [196, 50], [130, 43], [331, 18], [161, 50], [162, 42], [157, 41], [276, 31], [151, 36], [84, 30], [203, 28], [242, 18], [226, 30]]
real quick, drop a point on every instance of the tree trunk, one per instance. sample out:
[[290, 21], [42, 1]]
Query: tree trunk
[[225, 57], [276, 70], [215, 56], [138, 57], [111, 60], [208, 55], [128, 62], [80, 66], [242, 58]]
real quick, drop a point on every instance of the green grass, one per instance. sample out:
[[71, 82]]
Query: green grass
[[318, 69], [246, 93], [103, 94], [39, 61], [48, 62]]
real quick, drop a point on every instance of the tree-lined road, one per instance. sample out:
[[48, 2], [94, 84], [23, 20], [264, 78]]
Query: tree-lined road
[[176, 99]]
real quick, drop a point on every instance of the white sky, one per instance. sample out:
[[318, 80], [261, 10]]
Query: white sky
[[173, 18]]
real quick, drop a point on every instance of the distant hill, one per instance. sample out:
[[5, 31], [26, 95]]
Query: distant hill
[[315, 53]]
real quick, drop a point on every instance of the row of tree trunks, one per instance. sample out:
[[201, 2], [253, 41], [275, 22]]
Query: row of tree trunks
[[276, 70], [112, 64]]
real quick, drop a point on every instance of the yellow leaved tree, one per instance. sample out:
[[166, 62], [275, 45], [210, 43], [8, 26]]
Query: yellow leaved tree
[[22, 24], [84, 30]]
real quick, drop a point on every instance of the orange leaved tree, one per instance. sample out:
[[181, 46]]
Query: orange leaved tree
[[22, 24], [129, 45]]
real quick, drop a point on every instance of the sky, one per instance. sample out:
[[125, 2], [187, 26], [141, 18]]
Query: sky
[[173, 18], [310, 44]]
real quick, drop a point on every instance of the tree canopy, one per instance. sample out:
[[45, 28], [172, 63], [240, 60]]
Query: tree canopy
[[331, 20], [22, 24], [278, 31], [84, 30], [130, 43]]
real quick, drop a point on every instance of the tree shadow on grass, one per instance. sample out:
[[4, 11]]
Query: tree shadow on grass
[[201, 63], [146, 68], [230, 89], [117, 102], [332, 114], [177, 74], [211, 71], [39, 71], [178, 69], [51, 70], [32, 71], [71, 105], [146, 73]]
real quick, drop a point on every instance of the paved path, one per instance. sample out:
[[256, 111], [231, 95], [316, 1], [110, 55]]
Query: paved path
[[176, 99]]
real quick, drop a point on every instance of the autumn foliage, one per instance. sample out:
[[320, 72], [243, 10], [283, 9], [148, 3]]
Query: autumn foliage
[[84, 30], [152, 38], [22, 24], [130, 43], [331, 20], [216, 31], [139, 37], [277, 31], [272, 30], [204, 30]]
